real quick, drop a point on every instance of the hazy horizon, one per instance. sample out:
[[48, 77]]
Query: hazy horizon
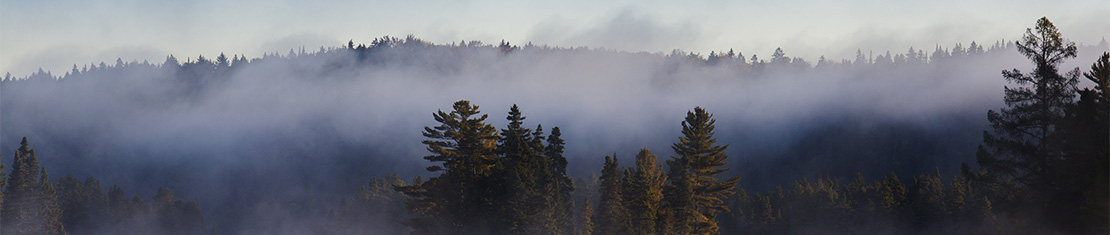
[[55, 35]]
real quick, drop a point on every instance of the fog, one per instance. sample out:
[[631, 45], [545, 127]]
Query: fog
[[276, 142]]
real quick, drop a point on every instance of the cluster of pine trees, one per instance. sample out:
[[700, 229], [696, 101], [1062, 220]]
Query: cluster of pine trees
[[1042, 169], [1047, 154], [31, 204], [513, 182]]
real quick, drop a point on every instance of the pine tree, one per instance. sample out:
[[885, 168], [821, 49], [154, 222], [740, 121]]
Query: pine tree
[[458, 201], [31, 206], [1024, 147], [612, 217], [695, 169]]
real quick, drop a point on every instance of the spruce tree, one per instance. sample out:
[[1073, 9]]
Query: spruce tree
[[681, 214], [31, 206], [520, 172], [644, 192], [458, 201], [586, 226], [562, 186], [1091, 128], [612, 217], [695, 169]]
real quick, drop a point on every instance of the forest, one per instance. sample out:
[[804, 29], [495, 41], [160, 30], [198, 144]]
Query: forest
[[307, 143]]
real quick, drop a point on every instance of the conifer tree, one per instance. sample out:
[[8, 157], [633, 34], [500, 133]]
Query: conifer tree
[[892, 194], [612, 217], [458, 201], [119, 209], [561, 183], [521, 172], [695, 170], [1090, 127], [926, 197], [1025, 154], [586, 226], [31, 206], [644, 192], [1018, 149]]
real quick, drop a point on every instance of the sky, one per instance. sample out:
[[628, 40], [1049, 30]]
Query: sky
[[56, 34]]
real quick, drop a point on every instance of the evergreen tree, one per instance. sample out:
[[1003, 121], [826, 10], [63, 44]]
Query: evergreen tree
[[1024, 153], [696, 167], [644, 192], [521, 171], [612, 217], [779, 58], [926, 197], [222, 61], [561, 185], [1085, 134], [31, 206], [171, 63], [892, 194], [458, 201], [680, 210], [119, 209], [586, 226], [83, 204]]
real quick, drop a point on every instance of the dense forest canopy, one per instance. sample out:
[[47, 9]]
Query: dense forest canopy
[[280, 143]]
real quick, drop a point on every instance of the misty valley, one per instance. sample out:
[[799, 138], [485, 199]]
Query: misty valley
[[538, 139]]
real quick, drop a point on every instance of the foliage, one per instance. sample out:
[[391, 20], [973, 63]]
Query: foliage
[[697, 194]]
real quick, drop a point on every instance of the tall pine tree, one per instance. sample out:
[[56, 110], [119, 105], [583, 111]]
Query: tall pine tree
[[1024, 155], [458, 201], [694, 176]]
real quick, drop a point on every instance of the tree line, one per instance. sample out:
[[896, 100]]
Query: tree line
[[1042, 168], [31, 204]]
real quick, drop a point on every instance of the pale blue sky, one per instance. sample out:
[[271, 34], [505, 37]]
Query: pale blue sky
[[55, 34]]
